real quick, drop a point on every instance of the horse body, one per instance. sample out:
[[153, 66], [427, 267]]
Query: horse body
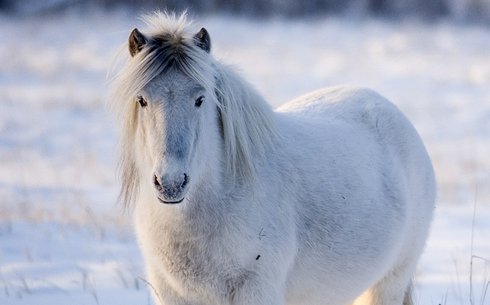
[[364, 174], [336, 201]]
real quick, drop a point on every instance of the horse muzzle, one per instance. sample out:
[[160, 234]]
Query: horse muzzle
[[171, 190]]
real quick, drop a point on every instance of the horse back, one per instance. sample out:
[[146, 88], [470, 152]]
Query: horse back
[[359, 110]]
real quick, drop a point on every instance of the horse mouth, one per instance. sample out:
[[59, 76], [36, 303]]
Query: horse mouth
[[170, 202]]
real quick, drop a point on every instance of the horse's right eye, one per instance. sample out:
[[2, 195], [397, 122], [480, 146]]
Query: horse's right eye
[[141, 100]]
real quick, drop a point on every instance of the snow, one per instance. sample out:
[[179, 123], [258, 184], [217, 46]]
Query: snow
[[63, 240]]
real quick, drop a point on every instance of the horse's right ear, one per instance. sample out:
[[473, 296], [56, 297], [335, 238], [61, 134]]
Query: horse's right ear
[[136, 42]]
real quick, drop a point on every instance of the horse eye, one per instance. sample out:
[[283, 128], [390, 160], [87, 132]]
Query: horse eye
[[199, 101], [141, 100]]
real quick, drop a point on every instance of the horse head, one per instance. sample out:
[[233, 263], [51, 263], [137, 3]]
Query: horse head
[[175, 113]]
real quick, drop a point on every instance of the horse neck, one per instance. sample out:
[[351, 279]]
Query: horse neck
[[248, 126]]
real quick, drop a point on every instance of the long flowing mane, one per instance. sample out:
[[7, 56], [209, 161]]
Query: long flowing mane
[[246, 120]]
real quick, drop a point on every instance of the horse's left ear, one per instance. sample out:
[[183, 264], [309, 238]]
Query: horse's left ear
[[136, 42], [202, 40]]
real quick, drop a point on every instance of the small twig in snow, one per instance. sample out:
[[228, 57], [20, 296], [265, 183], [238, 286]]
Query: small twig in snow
[[153, 288]]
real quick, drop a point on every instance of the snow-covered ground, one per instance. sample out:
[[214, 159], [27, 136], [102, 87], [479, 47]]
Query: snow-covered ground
[[64, 241]]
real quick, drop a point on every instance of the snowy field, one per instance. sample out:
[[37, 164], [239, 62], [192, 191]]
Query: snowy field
[[63, 240]]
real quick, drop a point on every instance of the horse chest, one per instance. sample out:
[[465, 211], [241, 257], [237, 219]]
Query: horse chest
[[186, 259], [199, 272]]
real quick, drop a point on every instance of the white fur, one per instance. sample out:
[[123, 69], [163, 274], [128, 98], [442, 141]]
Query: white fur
[[325, 201]]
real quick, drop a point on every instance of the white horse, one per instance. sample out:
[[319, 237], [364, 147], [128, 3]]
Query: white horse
[[327, 200]]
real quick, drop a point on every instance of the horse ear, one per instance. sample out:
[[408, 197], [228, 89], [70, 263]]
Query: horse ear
[[136, 42], [202, 40]]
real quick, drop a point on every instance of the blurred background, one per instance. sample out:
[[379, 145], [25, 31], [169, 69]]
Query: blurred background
[[462, 10], [64, 239]]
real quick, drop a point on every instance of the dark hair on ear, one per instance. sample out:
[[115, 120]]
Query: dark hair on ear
[[202, 40], [136, 42]]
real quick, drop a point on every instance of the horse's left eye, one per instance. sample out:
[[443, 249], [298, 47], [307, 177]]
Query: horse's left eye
[[199, 101], [141, 100]]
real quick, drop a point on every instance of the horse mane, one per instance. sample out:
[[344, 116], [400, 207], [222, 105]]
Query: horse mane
[[246, 120]]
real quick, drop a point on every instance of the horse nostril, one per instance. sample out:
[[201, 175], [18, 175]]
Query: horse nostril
[[186, 180], [156, 182]]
